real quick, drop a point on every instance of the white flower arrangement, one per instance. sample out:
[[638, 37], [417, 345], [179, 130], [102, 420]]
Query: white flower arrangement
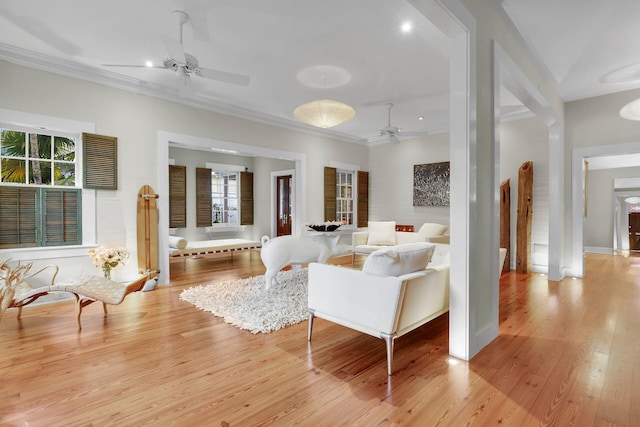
[[108, 258]]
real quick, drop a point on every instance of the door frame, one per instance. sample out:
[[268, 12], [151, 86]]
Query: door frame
[[274, 191]]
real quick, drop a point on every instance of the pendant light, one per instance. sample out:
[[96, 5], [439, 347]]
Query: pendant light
[[324, 113]]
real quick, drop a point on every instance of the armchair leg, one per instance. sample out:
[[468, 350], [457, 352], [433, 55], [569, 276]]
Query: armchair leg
[[389, 340], [311, 316]]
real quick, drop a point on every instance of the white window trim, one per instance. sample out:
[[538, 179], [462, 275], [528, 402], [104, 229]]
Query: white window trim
[[35, 123], [226, 226]]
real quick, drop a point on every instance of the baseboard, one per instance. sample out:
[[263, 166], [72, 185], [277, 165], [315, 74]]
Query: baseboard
[[598, 250]]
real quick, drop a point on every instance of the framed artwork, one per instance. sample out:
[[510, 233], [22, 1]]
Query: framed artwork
[[431, 184]]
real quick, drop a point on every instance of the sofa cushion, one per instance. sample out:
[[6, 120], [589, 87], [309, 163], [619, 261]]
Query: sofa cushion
[[399, 260], [382, 233]]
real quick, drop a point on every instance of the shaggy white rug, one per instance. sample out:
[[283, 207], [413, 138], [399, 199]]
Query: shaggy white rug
[[248, 305]]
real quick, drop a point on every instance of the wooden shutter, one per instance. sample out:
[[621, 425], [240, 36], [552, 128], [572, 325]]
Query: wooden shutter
[[203, 197], [100, 161], [18, 217], [363, 199], [330, 193], [61, 216], [177, 196], [246, 198]]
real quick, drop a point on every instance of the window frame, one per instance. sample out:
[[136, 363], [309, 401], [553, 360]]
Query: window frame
[[222, 183], [36, 123], [344, 201], [222, 168]]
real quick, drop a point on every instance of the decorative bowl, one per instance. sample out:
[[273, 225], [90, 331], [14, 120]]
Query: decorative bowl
[[324, 227]]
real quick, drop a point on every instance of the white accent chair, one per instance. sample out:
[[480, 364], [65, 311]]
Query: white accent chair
[[399, 289], [383, 233]]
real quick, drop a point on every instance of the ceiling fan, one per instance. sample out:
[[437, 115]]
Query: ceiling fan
[[184, 64], [391, 132]]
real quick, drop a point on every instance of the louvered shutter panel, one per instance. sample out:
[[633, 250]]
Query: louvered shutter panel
[[100, 161], [62, 214], [330, 193], [177, 196], [246, 198], [203, 197], [18, 217], [363, 199]]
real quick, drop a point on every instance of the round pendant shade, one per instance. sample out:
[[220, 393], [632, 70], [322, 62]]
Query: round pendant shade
[[324, 113]]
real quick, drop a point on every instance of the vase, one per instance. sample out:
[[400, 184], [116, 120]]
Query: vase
[[107, 272]]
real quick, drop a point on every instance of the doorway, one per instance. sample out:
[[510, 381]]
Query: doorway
[[284, 212], [634, 231], [283, 205]]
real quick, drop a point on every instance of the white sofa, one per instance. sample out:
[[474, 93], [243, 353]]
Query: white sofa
[[399, 289], [383, 233]]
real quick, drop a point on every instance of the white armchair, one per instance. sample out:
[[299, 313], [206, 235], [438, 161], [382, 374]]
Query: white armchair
[[394, 293]]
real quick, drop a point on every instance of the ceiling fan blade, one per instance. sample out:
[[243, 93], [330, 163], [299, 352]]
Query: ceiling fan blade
[[223, 76], [175, 49], [133, 66]]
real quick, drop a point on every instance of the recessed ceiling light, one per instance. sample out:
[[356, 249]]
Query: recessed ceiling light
[[420, 117], [148, 64], [407, 27]]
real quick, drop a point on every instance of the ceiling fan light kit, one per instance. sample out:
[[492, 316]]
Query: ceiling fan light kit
[[324, 113]]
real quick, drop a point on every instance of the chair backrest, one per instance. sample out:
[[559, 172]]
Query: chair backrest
[[440, 255]]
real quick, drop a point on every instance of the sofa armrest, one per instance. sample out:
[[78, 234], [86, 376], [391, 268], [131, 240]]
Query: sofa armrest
[[361, 301], [359, 238]]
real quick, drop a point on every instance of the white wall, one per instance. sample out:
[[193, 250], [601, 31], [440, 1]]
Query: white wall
[[136, 120], [261, 168], [599, 223], [589, 124], [391, 180], [522, 141]]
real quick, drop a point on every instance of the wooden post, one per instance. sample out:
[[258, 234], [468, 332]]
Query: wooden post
[[505, 221], [525, 213]]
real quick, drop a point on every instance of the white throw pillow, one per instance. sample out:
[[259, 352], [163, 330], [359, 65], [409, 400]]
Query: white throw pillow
[[177, 242], [382, 233], [399, 260]]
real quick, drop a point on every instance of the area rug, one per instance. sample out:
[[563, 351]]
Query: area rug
[[248, 305]]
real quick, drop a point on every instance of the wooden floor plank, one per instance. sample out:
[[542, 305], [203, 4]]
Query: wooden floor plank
[[567, 354]]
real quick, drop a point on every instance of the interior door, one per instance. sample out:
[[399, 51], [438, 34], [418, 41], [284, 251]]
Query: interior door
[[634, 231], [283, 205]]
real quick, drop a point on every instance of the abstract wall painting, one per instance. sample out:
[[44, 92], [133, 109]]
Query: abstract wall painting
[[431, 184]]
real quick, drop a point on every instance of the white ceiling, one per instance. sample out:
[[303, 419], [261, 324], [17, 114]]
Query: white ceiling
[[274, 41], [580, 41]]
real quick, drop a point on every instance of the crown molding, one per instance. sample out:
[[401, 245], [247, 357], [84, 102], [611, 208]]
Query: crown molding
[[80, 71]]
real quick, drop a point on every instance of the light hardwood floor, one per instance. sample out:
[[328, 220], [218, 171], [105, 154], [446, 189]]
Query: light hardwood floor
[[568, 354]]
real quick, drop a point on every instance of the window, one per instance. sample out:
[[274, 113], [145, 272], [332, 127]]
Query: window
[[224, 197], [39, 159], [345, 196], [39, 204]]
